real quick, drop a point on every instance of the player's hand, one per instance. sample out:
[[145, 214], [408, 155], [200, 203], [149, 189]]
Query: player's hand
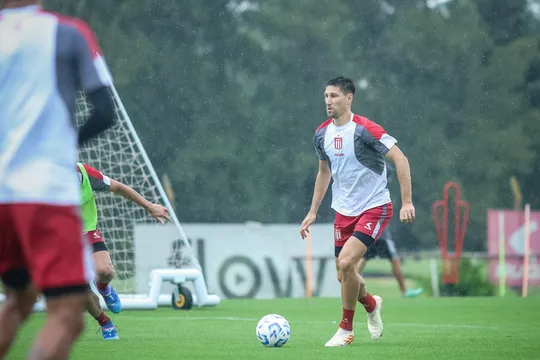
[[304, 229], [407, 213], [160, 213]]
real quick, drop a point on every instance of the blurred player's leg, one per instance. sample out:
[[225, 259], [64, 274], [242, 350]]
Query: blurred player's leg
[[108, 329], [15, 277], [60, 257], [16, 308], [63, 325], [398, 274], [105, 272], [389, 251]]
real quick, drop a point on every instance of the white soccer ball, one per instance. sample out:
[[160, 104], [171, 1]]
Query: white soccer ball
[[273, 330]]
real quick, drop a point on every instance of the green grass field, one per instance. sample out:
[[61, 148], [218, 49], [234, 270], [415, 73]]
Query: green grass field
[[421, 328]]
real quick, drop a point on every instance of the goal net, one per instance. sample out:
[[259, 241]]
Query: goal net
[[119, 154]]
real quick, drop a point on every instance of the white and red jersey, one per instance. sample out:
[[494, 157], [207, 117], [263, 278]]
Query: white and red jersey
[[98, 181], [45, 59], [356, 155]]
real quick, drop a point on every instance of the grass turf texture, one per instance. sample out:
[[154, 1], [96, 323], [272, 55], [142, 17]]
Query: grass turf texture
[[421, 328]]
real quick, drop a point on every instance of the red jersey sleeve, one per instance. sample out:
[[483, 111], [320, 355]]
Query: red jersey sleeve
[[374, 135], [98, 181]]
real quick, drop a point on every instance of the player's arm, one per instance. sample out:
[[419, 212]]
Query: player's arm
[[103, 183], [403, 171], [101, 118], [157, 211], [321, 186], [94, 79], [322, 181], [386, 146]]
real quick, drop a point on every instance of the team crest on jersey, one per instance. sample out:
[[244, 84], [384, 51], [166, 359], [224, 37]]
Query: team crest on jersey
[[338, 143]]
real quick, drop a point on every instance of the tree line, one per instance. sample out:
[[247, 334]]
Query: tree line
[[226, 96]]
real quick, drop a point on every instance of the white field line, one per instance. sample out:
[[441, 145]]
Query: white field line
[[232, 318]]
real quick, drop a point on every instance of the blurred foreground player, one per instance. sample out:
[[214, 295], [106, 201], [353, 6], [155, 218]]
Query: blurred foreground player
[[92, 180], [44, 60], [352, 151]]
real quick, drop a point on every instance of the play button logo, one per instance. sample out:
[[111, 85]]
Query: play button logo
[[239, 277]]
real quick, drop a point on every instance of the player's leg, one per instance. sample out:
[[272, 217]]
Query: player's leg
[[361, 265], [353, 285], [63, 325], [17, 306], [338, 250], [60, 266], [105, 272], [343, 229], [398, 274], [370, 254], [363, 296], [93, 306], [108, 329], [349, 284], [389, 252], [368, 229], [20, 296]]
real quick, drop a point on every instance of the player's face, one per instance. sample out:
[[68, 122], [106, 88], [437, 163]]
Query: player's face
[[337, 103]]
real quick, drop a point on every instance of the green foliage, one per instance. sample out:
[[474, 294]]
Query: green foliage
[[473, 281], [226, 100], [505, 20]]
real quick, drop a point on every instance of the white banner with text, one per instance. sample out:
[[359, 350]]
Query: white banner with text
[[243, 260]]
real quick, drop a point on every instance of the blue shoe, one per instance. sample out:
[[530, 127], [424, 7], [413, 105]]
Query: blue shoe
[[112, 300], [108, 331], [413, 293]]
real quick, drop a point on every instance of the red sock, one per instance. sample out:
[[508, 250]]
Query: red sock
[[102, 286], [369, 303], [102, 319], [347, 320]]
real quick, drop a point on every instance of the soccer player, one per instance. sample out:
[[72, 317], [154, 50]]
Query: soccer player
[[386, 249], [91, 181], [352, 151], [44, 60]]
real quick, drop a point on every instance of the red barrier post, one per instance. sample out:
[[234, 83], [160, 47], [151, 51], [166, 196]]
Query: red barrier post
[[451, 260]]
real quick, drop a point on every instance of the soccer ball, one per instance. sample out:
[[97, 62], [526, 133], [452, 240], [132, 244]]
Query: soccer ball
[[273, 330]]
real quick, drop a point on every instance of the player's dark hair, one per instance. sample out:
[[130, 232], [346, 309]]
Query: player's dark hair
[[344, 83]]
